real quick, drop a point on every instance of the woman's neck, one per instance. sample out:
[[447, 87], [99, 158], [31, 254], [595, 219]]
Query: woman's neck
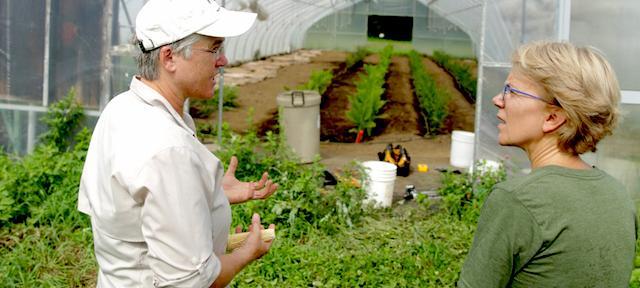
[[546, 152]]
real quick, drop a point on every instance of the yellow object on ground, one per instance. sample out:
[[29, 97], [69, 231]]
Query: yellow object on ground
[[423, 168]]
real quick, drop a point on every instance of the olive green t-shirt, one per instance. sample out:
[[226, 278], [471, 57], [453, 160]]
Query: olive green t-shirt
[[556, 227]]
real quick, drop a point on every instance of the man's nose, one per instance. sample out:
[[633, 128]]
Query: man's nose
[[221, 61]]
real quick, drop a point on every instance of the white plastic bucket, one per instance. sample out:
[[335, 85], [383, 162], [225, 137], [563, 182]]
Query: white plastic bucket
[[461, 149], [379, 182]]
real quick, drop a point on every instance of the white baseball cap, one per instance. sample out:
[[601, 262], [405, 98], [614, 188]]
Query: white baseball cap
[[161, 22]]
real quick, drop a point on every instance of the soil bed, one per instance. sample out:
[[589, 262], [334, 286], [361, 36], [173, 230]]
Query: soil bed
[[402, 124]]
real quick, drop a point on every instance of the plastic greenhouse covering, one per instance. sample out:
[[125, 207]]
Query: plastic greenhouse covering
[[48, 47]]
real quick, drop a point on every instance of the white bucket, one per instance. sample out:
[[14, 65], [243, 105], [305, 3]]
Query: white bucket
[[379, 182], [461, 149]]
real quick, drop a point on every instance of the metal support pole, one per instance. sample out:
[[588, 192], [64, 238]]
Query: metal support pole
[[105, 77], [524, 22], [220, 102], [126, 13], [31, 130], [8, 50], [220, 94], [481, 63], [564, 20], [47, 46]]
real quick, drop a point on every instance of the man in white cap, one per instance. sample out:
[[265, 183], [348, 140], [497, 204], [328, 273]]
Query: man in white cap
[[157, 198]]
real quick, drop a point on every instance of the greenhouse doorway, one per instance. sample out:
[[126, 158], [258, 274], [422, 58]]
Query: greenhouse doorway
[[397, 28]]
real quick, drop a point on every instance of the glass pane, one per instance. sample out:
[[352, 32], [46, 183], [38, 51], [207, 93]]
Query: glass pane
[[77, 52], [511, 23], [433, 32], [12, 131], [619, 154], [392, 8], [22, 52]]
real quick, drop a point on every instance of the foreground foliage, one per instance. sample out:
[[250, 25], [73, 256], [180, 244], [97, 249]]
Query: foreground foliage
[[325, 236], [410, 248]]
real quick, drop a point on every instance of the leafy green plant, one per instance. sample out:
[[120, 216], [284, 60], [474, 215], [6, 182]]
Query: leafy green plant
[[44, 240], [389, 249], [463, 194], [367, 101], [53, 167], [63, 119], [433, 101], [460, 71], [319, 81], [355, 58], [203, 108], [301, 204]]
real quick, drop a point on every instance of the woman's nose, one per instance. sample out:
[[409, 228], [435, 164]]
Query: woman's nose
[[498, 100]]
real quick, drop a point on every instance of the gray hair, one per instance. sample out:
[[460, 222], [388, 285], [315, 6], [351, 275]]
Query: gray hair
[[148, 62]]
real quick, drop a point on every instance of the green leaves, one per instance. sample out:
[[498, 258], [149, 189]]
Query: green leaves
[[365, 104], [63, 118], [433, 101], [53, 167], [203, 108], [301, 204], [461, 72], [408, 249], [459, 197], [319, 81], [356, 58]]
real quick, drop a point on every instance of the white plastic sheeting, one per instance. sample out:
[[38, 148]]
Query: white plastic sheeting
[[283, 24]]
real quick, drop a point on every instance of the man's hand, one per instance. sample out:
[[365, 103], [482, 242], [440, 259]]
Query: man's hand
[[240, 192]]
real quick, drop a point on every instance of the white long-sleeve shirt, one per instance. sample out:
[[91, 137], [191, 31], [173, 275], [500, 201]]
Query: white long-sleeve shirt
[[153, 191]]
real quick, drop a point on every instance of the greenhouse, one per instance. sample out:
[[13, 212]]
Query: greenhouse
[[63, 57]]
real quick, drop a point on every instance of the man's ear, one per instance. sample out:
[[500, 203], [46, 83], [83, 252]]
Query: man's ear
[[167, 58], [554, 119]]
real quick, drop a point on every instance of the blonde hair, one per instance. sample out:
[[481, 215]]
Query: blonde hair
[[582, 82]]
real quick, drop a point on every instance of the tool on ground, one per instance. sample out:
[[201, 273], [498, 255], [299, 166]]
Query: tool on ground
[[410, 192], [329, 179], [397, 156], [236, 240]]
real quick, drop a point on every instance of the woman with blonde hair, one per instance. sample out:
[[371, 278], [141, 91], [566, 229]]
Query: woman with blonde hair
[[566, 224]]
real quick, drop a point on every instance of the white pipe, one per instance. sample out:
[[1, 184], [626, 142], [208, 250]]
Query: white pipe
[[29, 108], [630, 97]]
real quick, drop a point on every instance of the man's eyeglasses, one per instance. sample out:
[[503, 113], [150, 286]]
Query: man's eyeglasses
[[508, 90], [217, 52]]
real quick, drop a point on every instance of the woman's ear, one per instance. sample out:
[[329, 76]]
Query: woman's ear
[[167, 58], [554, 119]]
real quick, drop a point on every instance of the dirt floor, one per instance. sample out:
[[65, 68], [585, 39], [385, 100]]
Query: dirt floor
[[402, 124]]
